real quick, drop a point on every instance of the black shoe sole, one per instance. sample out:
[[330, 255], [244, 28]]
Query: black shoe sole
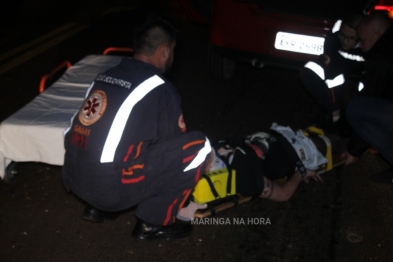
[[147, 238], [98, 216], [92, 219]]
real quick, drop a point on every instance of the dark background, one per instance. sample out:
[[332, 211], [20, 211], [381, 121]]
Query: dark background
[[348, 218]]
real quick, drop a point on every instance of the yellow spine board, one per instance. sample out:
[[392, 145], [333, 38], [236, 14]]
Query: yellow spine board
[[203, 193], [321, 133], [329, 155]]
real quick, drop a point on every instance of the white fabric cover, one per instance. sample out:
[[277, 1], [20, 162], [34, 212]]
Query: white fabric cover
[[305, 148], [35, 132]]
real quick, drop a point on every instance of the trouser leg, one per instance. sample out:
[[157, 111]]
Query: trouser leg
[[372, 119], [318, 88], [179, 165]]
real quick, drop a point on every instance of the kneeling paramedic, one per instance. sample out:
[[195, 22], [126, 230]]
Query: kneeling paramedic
[[128, 146]]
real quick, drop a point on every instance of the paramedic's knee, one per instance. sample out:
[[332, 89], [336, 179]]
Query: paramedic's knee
[[354, 109]]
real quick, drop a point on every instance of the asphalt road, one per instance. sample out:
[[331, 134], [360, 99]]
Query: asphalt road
[[347, 218]]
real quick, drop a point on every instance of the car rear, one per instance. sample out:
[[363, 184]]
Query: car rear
[[284, 33]]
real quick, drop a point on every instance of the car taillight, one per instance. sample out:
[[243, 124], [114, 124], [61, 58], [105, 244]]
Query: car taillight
[[387, 8]]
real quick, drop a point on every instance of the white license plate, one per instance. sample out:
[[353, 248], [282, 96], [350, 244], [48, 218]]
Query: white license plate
[[299, 43]]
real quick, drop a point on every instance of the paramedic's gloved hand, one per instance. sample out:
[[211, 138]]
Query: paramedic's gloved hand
[[349, 159], [188, 213], [310, 174]]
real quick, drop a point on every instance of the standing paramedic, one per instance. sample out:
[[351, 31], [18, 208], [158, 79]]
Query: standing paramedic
[[128, 146]]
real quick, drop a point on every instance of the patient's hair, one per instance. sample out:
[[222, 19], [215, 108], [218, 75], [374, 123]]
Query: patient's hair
[[319, 143], [336, 143], [152, 33]]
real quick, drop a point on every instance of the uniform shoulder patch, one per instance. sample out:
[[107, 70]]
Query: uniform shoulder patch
[[93, 108]]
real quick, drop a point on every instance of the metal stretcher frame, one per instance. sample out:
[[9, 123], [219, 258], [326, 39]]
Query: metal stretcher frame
[[35, 132]]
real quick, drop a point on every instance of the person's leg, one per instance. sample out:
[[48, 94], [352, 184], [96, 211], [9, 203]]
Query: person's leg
[[317, 87], [327, 100], [372, 119], [171, 182], [175, 167]]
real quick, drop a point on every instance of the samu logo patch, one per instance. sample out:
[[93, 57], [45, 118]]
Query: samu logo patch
[[93, 108]]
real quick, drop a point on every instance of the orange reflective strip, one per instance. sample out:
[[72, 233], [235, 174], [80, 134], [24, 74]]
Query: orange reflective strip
[[196, 142], [186, 193], [128, 153], [132, 180], [130, 170], [169, 212], [138, 166], [138, 150], [188, 159]]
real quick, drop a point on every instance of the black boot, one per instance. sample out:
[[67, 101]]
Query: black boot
[[95, 215], [146, 231]]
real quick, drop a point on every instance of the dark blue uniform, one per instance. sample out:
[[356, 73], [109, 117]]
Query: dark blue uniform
[[332, 85], [128, 145]]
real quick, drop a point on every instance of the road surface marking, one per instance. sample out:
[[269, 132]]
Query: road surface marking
[[40, 49], [36, 41]]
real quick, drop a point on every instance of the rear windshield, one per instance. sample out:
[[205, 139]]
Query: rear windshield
[[315, 8]]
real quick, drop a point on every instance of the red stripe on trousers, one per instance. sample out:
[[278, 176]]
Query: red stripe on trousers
[[128, 153], [186, 194], [198, 174], [188, 159], [169, 212], [132, 180]]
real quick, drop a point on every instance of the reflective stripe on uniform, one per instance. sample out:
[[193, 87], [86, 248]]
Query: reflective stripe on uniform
[[200, 157], [317, 69], [120, 120], [336, 26], [338, 80], [352, 57], [360, 86]]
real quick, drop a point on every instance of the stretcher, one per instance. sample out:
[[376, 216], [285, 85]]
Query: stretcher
[[220, 201], [35, 132]]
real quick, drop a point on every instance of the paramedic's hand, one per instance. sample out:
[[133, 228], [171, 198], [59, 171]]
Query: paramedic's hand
[[349, 159], [312, 175]]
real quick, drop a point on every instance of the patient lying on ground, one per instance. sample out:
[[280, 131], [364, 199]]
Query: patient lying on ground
[[270, 164]]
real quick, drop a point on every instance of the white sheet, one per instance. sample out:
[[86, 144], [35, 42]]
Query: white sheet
[[35, 132]]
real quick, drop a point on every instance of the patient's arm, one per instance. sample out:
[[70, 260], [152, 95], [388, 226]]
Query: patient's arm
[[277, 192]]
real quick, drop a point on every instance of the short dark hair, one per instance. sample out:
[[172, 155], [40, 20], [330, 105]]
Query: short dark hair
[[151, 33], [377, 19], [353, 21]]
